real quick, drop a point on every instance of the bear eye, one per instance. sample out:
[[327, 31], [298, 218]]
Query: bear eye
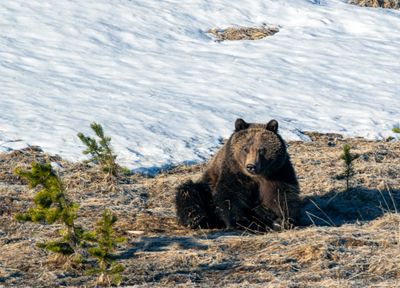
[[246, 149], [261, 151]]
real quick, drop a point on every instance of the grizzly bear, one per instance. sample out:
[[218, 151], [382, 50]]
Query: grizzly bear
[[250, 183]]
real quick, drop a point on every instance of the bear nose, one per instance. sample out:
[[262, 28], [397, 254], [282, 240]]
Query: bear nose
[[251, 168]]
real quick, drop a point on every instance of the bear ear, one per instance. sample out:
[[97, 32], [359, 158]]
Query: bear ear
[[240, 124], [272, 126]]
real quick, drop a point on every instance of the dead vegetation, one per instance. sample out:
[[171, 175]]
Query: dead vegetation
[[349, 238], [391, 4], [243, 33]]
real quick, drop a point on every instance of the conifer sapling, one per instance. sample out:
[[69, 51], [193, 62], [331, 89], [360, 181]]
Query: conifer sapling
[[105, 243], [396, 129], [51, 205], [348, 158], [100, 152]]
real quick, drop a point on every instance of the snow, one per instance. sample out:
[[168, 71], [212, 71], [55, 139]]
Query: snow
[[167, 93]]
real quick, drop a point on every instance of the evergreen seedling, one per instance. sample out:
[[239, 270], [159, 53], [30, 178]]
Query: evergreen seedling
[[100, 152], [348, 158], [51, 205], [396, 129], [105, 243]]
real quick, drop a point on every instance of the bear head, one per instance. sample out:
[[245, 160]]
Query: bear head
[[258, 149]]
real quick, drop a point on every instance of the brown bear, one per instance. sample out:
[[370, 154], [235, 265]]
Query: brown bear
[[250, 184]]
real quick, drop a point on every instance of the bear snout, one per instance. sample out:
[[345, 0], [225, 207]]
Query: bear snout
[[251, 168]]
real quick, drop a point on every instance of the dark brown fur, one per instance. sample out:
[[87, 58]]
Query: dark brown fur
[[250, 183]]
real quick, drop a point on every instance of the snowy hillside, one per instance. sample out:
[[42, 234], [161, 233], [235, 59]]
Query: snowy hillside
[[167, 93]]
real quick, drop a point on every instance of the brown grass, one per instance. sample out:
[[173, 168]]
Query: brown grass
[[242, 33], [348, 239], [391, 4]]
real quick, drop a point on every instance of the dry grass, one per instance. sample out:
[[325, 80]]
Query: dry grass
[[348, 239], [391, 4], [242, 33]]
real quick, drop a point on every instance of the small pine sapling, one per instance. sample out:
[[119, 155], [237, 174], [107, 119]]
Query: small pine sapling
[[101, 152], [104, 244], [51, 205], [348, 158], [396, 130]]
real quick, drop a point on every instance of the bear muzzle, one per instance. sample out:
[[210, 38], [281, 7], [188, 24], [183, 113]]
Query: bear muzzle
[[251, 168]]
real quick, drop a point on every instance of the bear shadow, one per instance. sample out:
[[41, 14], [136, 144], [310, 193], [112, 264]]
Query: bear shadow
[[356, 205]]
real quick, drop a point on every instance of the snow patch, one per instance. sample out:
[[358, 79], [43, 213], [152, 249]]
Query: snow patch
[[166, 93]]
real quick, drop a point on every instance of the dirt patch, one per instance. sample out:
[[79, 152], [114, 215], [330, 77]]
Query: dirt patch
[[242, 33], [391, 4], [347, 239]]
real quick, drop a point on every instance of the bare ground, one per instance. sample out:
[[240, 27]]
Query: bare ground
[[390, 4], [242, 33], [348, 238]]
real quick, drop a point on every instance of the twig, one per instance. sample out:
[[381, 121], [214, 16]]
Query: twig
[[326, 215]]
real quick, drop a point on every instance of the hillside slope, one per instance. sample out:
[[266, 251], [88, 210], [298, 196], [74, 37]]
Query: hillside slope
[[348, 238]]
